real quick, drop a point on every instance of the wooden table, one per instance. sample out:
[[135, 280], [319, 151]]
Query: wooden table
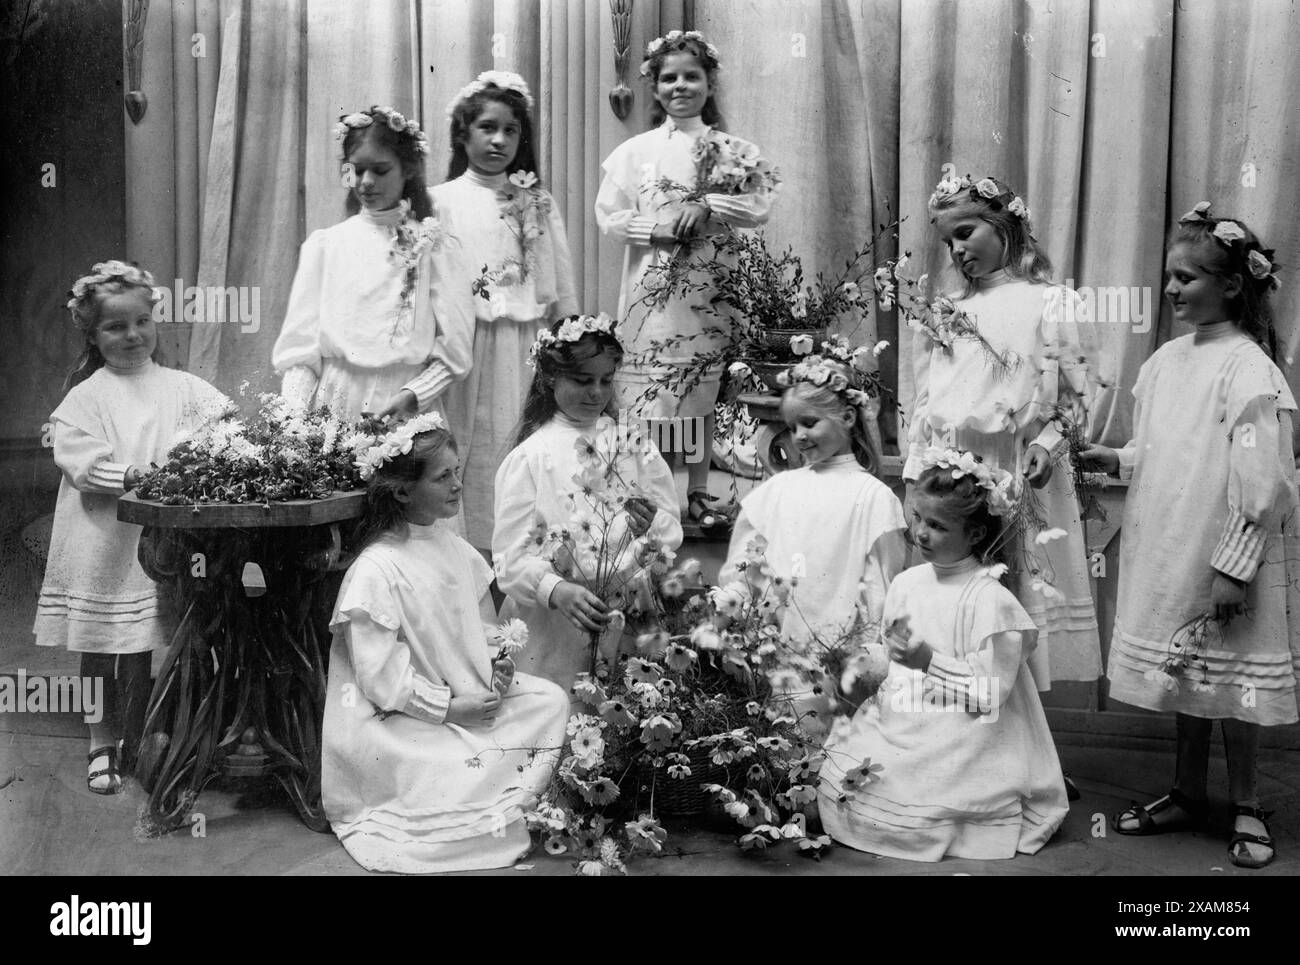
[[242, 689]]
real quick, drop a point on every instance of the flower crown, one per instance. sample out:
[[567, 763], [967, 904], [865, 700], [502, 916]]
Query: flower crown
[[678, 40], [1259, 260], [570, 330], [397, 443], [999, 483], [824, 372], [384, 115], [107, 271], [986, 191], [501, 80]]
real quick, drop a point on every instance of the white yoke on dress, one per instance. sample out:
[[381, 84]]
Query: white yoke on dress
[[348, 342], [628, 207], [95, 597], [531, 488], [961, 400], [485, 406], [848, 527], [967, 763], [404, 789], [1213, 489]]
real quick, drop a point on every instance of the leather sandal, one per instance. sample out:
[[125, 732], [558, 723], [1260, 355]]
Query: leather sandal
[[704, 517], [111, 771], [1242, 858], [1195, 814]]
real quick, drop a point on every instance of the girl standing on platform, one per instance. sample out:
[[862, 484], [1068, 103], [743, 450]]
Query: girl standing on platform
[[953, 756], [123, 412], [568, 402], [432, 751], [995, 391], [1208, 602], [634, 207], [831, 518], [509, 228], [379, 318]]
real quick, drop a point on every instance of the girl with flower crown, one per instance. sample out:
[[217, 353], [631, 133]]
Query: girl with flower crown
[[953, 755], [565, 428], [654, 197], [515, 248], [830, 532], [432, 749], [1001, 389], [1208, 618], [122, 413], [379, 320]]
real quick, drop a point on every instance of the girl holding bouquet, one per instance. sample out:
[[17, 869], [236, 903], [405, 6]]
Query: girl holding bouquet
[[673, 186], [559, 477]]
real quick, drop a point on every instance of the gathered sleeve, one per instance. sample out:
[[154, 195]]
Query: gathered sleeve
[[452, 301], [86, 458], [618, 213], [740, 210], [1065, 380], [565, 298], [983, 680], [1260, 485], [920, 435], [522, 575], [381, 657], [297, 352]]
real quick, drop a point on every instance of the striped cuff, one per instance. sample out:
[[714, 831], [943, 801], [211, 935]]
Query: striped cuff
[[429, 384], [639, 228], [428, 701], [108, 476], [952, 679], [1240, 549]]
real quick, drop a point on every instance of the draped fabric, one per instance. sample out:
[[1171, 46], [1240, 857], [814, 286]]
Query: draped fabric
[[1110, 117]]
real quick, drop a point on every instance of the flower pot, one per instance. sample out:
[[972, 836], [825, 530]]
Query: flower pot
[[775, 342], [767, 372]]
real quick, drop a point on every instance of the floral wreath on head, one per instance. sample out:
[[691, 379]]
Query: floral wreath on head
[[501, 80], [985, 191], [999, 483], [823, 371], [571, 330], [1229, 233], [396, 443], [106, 271], [384, 115], [680, 40]]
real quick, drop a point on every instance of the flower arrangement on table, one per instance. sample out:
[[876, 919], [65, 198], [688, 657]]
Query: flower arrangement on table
[[283, 453], [524, 208], [703, 700]]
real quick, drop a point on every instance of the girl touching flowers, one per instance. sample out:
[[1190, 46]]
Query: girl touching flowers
[[378, 320]]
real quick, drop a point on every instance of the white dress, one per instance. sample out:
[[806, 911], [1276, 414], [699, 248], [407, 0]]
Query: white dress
[[403, 789], [96, 598], [350, 340], [848, 527], [532, 486], [628, 207], [484, 407], [1213, 488], [967, 764], [962, 401]]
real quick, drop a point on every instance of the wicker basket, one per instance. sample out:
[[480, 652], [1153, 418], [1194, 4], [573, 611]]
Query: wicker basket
[[683, 797], [775, 342]]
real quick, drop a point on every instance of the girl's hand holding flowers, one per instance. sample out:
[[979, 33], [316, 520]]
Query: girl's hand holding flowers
[[641, 514], [1227, 597], [1039, 470], [912, 652], [691, 220], [503, 674], [1103, 458], [583, 608], [401, 406], [474, 710]]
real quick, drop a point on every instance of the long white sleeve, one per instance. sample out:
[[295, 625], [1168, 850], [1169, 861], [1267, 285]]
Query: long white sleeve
[[521, 575], [298, 343], [1259, 464], [619, 216], [453, 310], [87, 460], [566, 295], [382, 663], [980, 681], [1066, 379], [740, 210], [919, 433]]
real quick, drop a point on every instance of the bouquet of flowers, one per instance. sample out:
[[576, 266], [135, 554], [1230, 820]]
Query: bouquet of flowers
[[524, 208], [723, 165], [411, 242], [283, 453]]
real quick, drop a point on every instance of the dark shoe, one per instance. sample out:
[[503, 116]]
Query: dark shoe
[[709, 520], [1194, 813], [114, 785], [1071, 792]]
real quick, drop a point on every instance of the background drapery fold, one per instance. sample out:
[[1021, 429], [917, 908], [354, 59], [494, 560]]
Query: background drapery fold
[[1111, 118]]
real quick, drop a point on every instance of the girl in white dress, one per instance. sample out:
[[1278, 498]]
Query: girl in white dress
[[633, 207], [996, 395], [379, 318], [1208, 618], [953, 755], [566, 415], [122, 413], [432, 751], [831, 520], [513, 242]]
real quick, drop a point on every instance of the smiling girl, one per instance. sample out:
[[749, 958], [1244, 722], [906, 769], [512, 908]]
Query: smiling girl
[[123, 412], [513, 240], [379, 319]]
